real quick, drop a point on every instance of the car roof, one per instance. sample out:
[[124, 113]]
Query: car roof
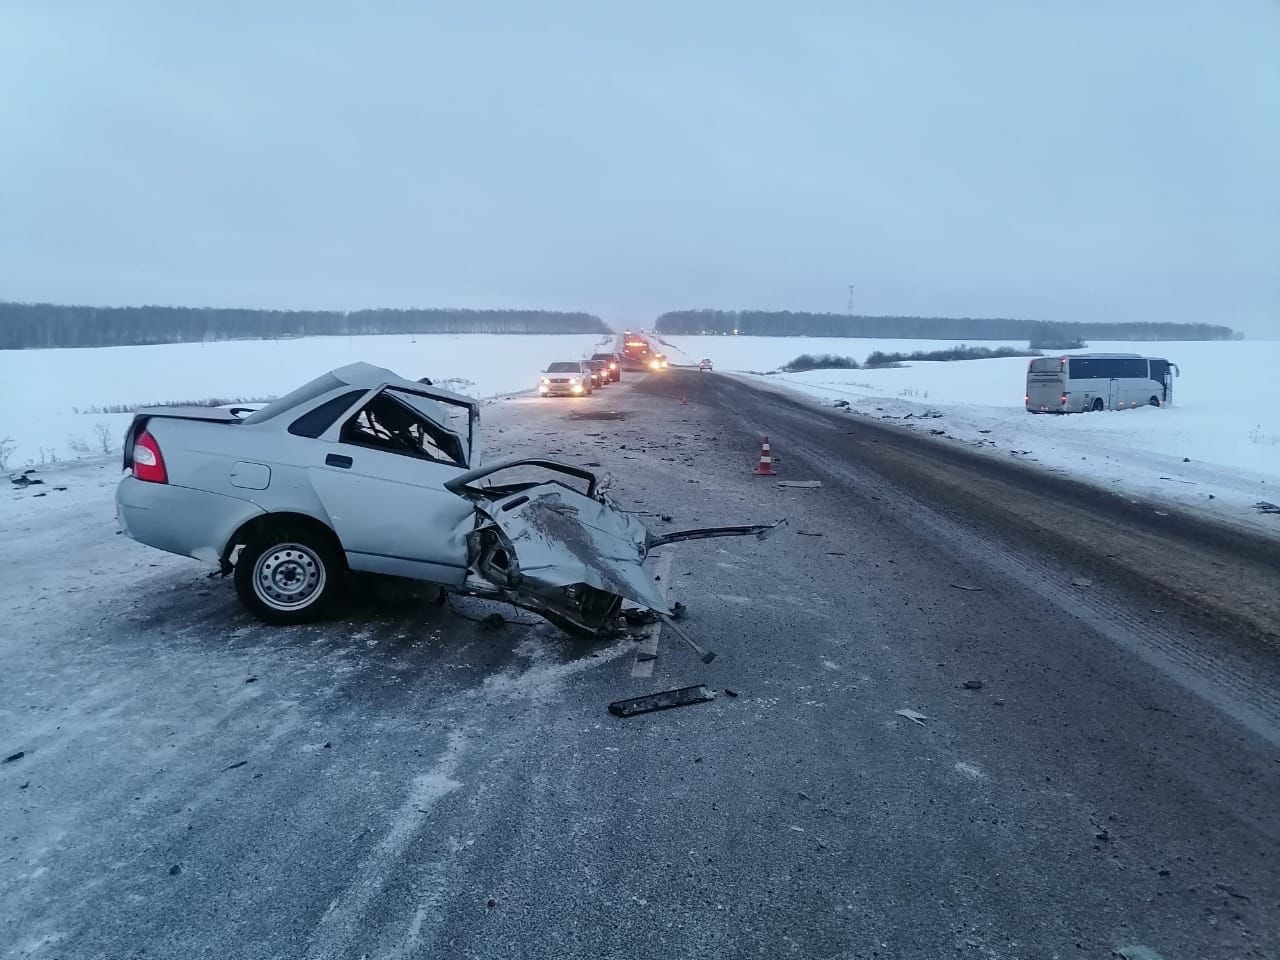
[[368, 376]]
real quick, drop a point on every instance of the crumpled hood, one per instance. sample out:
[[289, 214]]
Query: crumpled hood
[[562, 537]]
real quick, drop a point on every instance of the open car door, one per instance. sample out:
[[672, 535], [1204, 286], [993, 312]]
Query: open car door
[[569, 556]]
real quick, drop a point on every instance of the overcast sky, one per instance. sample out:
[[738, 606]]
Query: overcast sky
[[1067, 161]]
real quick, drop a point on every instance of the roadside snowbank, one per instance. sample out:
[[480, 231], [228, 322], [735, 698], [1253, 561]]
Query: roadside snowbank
[[1216, 449], [51, 401]]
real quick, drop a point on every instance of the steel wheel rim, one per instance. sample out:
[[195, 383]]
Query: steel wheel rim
[[289, 576]]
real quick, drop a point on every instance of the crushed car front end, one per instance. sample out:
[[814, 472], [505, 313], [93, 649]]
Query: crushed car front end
[[570, 556]]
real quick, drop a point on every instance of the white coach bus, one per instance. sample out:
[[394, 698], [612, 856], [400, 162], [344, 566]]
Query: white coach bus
[[1098, 381]]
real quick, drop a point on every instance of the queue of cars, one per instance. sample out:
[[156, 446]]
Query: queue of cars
[[579, 378]]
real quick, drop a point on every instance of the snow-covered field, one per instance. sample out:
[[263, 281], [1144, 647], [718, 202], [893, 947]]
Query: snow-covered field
[[1217, 448], [51, 401]]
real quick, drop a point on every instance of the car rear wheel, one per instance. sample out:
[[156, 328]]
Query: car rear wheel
[[289, 575], [1098, 405]]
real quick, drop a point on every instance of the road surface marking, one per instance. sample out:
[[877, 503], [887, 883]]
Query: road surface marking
[[648, 647]]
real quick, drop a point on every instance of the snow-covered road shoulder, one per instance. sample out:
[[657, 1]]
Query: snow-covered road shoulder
[[1214, 451], [1166, 455]]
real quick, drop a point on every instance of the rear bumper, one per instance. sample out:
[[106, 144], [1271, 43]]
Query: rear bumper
[[181, 520]]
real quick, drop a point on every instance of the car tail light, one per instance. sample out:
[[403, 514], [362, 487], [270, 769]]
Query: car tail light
[[1064, 398], [148, 462]]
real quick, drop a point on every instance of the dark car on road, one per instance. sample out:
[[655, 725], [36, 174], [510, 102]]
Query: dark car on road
[[599, 372], [613, 361]]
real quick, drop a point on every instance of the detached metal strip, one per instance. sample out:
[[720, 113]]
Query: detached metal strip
[[684, 697]]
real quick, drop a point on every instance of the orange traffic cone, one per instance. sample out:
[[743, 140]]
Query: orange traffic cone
[[765, 467]]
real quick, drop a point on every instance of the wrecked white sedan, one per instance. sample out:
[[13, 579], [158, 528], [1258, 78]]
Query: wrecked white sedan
[[363, 470]]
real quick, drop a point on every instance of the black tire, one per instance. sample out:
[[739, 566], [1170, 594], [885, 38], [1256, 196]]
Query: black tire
[[289, 574], [1098, 405], [1154, 401]]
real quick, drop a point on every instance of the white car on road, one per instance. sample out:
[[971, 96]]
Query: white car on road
[[363, 470]]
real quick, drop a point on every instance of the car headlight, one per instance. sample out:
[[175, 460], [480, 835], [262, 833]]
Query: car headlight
[[574, 381], [545, 380]]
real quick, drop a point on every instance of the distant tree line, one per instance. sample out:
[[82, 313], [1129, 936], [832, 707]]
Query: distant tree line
[[787, 324], [878, 358], [51, 325]]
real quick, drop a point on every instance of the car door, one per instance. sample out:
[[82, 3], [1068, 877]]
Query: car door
[[380, 476]]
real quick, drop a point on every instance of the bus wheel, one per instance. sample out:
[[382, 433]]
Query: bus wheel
[[1154, 401], [1098, 405]]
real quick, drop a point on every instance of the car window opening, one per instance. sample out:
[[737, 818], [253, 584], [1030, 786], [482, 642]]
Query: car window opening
[[386, 423]]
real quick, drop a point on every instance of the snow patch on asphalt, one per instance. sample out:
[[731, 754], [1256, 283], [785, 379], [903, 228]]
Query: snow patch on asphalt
[[542, 679], [340, 924]]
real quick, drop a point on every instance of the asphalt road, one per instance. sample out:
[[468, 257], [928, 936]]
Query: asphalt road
[[403, 783]]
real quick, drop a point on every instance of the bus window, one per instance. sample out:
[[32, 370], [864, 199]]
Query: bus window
[[1084, 368], [1107, 368], [1050, 365], [1133, 369]]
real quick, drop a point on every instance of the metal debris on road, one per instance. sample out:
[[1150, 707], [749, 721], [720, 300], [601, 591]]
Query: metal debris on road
[[730, 693], [1230, 891], [1137, 952], [1081, 582], [961, 586], [15, 756], [912, 715], [684, 697], [808, 533], [803, 484], [706, 655], [239, 763], [972, 684], [598, 415]]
